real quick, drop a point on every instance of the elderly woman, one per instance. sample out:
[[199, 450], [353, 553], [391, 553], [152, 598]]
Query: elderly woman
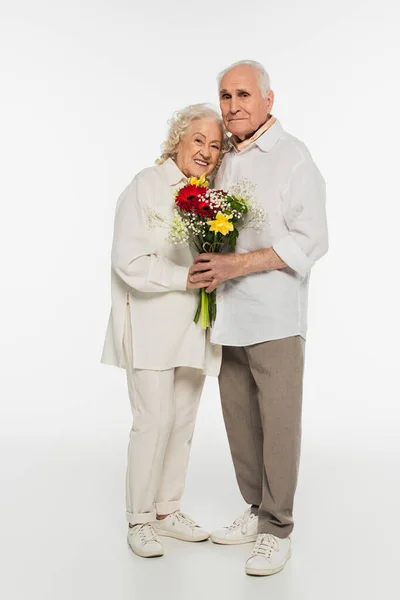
[[152, 335]]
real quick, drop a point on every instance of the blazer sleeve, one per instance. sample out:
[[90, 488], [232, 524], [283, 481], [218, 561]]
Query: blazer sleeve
[[133, 256], [303, 206]]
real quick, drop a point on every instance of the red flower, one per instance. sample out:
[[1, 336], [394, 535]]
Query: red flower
[[188, 197], [203, 208]]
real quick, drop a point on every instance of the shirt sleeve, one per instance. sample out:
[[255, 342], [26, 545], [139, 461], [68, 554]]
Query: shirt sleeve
[[303, 205], [134, 255]]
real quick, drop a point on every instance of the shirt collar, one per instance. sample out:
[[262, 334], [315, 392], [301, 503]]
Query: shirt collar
[[173, 174], [243, 144], [267, 140]]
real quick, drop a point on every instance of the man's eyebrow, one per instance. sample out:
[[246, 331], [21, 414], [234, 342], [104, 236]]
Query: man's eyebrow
[[239, 91]]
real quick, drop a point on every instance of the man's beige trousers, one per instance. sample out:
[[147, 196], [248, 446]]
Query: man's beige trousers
[[164, 408], [261, 394]]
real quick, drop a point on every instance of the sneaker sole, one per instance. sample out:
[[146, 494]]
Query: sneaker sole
[[233, 542], [178, 536], [154, 554], [266, 572]]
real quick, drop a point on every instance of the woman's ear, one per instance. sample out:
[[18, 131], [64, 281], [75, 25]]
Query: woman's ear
[[175, 152]]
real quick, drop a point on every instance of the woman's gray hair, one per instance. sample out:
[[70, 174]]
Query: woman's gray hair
[[180, 123], [263, 77]]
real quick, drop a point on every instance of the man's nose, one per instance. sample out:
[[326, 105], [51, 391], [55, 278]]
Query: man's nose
[[234, 106]]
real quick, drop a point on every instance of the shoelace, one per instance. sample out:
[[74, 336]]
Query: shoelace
[[264, 546], [242, 521], [147, 533], [182, 518]]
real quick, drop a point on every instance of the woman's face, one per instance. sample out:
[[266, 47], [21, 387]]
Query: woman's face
[[198, 152]]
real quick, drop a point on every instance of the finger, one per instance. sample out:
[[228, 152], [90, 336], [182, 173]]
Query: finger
[[203, 257], [206, 276], [200, 284], [202, 266], [213, 286]]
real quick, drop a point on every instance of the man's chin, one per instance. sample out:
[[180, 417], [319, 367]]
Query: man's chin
[[238, 132]]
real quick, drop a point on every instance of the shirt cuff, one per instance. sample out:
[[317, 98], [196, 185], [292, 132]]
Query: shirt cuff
[[167, 274], [180, 277], [290, 252]]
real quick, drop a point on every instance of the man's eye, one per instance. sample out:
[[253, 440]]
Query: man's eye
[[243, 94], [225, 97]]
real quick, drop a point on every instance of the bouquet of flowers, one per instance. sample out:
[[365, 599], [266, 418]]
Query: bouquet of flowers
[[210, 220]]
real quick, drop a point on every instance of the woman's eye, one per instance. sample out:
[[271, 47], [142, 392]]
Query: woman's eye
[[198, 140]]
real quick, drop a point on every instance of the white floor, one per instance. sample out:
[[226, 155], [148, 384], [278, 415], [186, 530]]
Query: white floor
[[63, 528]]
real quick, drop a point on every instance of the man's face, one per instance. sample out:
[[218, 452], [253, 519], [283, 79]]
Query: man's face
[[242, 105]]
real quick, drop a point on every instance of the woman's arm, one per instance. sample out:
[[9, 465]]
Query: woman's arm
[[133, 255]]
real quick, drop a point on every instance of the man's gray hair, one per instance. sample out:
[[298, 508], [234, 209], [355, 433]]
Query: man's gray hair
[[263, 77]]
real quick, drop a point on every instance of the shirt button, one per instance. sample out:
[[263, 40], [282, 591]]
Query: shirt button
[[219, 297]]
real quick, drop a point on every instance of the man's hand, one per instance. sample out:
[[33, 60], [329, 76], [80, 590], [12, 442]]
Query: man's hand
[[215, 268], [212, 269], [196, 286]]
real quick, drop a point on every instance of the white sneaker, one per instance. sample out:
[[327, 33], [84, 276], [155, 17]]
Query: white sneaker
[[180, 526], [242, 530], [143, 540], [270, 555]]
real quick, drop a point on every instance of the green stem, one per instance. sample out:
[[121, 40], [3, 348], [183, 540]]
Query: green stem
[[206, 311], [213, 306], [198, 311], [205, 317]]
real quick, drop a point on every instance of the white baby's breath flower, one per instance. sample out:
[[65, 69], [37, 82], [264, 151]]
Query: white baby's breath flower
[[153, 218], [257, 217], [243, 189], [179, 229]]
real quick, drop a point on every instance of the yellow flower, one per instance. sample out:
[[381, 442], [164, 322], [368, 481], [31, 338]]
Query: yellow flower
[[221, 224], [202, 182]]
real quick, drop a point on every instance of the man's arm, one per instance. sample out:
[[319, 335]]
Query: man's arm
[[220, 267], [306, 239], [304, 212]]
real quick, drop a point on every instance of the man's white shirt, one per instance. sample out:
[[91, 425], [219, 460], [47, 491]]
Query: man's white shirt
[[273, 304]]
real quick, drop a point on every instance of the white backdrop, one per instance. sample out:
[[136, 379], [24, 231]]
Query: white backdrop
[[86, 90]]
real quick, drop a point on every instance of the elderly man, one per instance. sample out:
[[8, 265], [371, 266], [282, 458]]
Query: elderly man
[[262, 305]]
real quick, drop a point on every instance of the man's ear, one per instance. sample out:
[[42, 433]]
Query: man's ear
[[270, 100]]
